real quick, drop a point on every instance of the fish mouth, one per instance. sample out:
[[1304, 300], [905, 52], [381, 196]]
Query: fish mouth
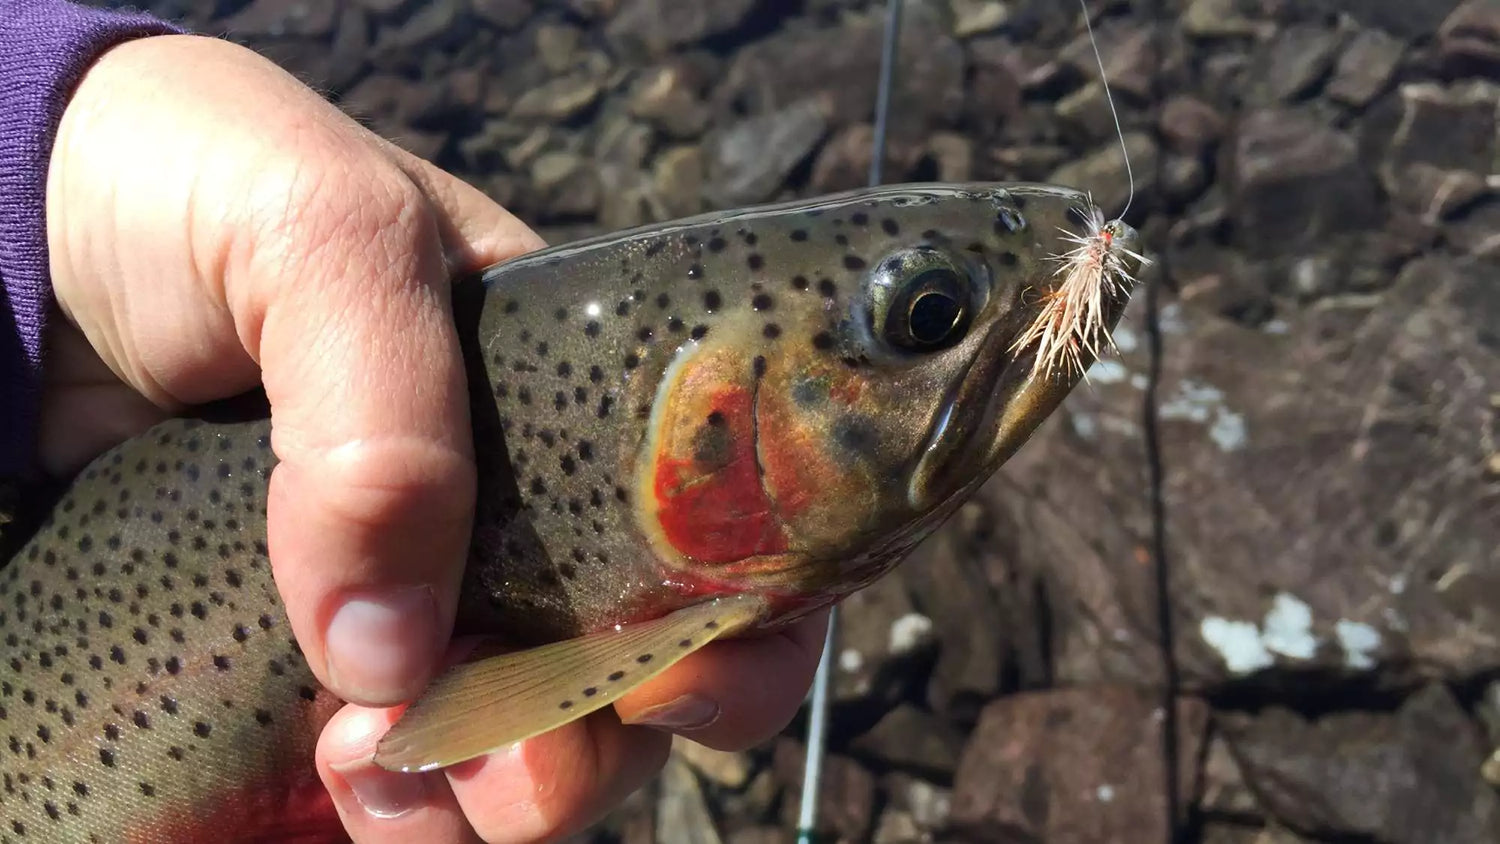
[[1002, 395]]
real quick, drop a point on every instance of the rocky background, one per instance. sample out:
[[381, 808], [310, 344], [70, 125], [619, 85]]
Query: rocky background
[[1245, 587]]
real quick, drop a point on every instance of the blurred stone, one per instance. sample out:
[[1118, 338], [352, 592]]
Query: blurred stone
[[1407, 778], [1451, 127], [775, 72], [910, 739], [846, 796], [520, 154], [667, 97], [679, 180], [896, 827], [1183, 178], [731, 770], [1220, 18], [1225, 792], [1086, 111], [1436, 193], [430, 27], [973, 17], [1189, 125], [682, 815], [1384, 557], [660, 25], [881, 639], [1130, 52], [749, 160], [346, 56], [1075, 766], [283, 18], [929, 806], [1469, 40], [993, 97], [503, 14], [1297, 59], [954, 156], [1365, 68], [1102, 172], [761, 835], [1401, 18], [1295, 179], [945, 578], [844, 162], [557, 46], [558, 99], [570, 188], [622, 141], [1224, 832]]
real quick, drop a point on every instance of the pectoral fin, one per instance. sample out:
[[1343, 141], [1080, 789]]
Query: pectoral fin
[[478, 707]]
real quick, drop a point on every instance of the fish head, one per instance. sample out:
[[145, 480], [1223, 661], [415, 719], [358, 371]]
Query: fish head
[[866, 384]]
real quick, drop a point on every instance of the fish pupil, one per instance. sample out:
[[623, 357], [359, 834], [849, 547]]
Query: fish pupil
[[933, 315]]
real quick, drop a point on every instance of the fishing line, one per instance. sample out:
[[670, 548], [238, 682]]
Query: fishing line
[[817, 721], [1109, 97]]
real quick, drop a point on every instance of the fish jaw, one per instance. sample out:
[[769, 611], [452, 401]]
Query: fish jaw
[[1009, 389]]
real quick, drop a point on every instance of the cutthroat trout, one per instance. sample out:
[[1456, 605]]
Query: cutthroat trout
[[685, 431]]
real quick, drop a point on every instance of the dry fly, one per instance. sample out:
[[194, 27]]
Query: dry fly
[[1072, 323]]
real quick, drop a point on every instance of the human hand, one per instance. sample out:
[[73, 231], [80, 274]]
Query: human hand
[[214, 224]]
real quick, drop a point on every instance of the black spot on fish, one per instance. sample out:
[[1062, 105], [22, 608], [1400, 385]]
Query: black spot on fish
[[755, 262], [853, 262], [716, 244], [698, 332], [759, 365], [762, 302], [616, 676], [890, 226], [591, 329], [798, 235], [859, 218], [827, 288], [771, 331]]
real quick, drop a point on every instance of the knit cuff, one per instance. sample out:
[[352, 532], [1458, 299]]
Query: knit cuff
[[45, 47]]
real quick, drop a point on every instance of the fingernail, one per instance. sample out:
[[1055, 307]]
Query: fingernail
[[382, 793], [380, 643], [689, 712]]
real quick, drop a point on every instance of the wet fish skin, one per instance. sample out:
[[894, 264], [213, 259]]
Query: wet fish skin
[[153, 691]]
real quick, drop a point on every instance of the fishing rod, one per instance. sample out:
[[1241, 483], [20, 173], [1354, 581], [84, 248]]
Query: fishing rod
[[817, 721]]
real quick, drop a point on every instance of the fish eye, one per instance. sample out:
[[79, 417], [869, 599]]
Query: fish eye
[[920, 300]]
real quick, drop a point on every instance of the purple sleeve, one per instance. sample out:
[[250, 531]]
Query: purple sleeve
[[45, 46]]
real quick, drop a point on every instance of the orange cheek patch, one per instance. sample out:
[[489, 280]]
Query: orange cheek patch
[[705, 485]]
